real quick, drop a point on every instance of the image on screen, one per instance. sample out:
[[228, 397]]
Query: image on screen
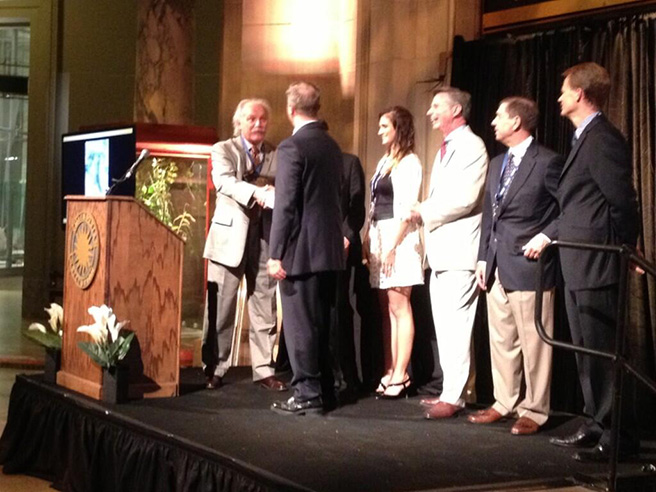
[[96, 167]]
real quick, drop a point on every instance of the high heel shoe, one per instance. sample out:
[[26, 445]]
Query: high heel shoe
[[384, 381], [405, 385]]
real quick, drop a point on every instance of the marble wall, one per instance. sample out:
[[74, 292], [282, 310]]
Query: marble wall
[[268, 45], [364, 54], [404, 52]]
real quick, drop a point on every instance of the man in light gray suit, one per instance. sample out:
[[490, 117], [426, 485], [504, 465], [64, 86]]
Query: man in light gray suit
[[243, 171], [452, 226]]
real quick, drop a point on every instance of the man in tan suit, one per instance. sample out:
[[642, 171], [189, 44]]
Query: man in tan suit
[[237, 244], [452, 224]]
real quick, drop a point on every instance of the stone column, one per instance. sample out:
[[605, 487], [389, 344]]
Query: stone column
[[164, 71]]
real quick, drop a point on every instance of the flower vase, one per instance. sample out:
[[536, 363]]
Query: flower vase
[[115, 384], [51, 364]]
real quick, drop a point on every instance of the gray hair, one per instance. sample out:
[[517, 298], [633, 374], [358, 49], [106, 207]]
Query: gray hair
[[240, 110], [304, 97]]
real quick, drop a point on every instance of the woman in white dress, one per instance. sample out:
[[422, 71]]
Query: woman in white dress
[[392, 245]]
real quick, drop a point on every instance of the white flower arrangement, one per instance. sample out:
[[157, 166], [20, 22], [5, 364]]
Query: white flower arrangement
[[50, 337], [108, 346]]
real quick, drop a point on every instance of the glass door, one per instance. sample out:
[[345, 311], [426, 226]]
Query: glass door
[[14, 73]]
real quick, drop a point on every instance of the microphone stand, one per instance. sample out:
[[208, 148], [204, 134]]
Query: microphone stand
[[145, 153]]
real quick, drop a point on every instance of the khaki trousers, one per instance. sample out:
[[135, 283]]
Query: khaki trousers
[[516, 350]]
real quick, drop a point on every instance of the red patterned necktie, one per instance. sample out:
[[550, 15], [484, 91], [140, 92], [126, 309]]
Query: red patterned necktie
[[256, 155]]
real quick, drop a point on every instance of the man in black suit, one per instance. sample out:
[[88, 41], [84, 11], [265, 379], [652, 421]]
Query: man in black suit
[[598, 205], [342, 340], [307, 248], [520, 201]]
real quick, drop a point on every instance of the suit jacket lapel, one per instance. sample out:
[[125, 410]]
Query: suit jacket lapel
[[450, 149], [268, 159], [434, 173], [579, 142], [242, 157], [526, 166]]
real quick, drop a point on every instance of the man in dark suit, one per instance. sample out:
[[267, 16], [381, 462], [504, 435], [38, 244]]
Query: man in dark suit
[[598, 205], [342, 340], [307, 248], [520, 201]]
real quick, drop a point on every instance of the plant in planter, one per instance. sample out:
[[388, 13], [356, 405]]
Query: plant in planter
[[107, 349], [51, 339], [154, 191]]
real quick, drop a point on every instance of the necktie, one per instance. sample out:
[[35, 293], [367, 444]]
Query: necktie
[[443, 150], [255, 152], [506, 179], [574, 140], [252, 163]]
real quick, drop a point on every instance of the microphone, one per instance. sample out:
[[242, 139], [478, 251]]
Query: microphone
[[145, 153]]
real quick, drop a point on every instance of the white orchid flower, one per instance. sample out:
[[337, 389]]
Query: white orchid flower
[[98, 333], [37, 327], [114, 329], [100, 314], [56, 313]]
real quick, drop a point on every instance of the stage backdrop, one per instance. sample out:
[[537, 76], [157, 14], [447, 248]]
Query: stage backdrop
[[531, 65]]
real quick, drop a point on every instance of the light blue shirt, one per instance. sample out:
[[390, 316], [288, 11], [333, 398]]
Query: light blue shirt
[[586, 122]]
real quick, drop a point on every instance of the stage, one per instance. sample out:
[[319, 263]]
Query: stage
[[228, 439]]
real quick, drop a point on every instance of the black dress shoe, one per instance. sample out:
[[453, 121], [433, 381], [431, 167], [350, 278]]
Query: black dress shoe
[[214, 382], [601, 454], [580, 439], [295, 407]]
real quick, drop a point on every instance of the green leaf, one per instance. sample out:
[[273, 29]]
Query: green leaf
[[97, 354], [49, 339], [124, 345]]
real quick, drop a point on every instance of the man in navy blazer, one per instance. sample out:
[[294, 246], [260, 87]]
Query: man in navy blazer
[[307, 248], [520, 202], [598, 205]]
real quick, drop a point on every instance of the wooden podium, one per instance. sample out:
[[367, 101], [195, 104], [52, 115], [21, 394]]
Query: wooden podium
[[119, 254]]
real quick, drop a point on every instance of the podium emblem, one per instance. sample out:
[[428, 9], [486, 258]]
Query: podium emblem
[[84, 250]]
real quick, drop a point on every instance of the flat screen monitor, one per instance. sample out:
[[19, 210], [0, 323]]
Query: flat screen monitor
[[91, 160]]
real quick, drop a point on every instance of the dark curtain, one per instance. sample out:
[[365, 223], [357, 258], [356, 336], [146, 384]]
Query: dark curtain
[[532, 65]]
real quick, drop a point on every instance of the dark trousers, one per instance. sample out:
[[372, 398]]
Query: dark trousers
[[349, 325], [307, 301], [342, 340], [592, 316]]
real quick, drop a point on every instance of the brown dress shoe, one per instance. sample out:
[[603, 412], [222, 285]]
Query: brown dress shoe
[[429, 402], [272, 384], [442, 410], [486, 416], [524, 427]]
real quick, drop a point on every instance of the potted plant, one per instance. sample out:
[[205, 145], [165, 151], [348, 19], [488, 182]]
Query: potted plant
[[107, 349], [51, 339]]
